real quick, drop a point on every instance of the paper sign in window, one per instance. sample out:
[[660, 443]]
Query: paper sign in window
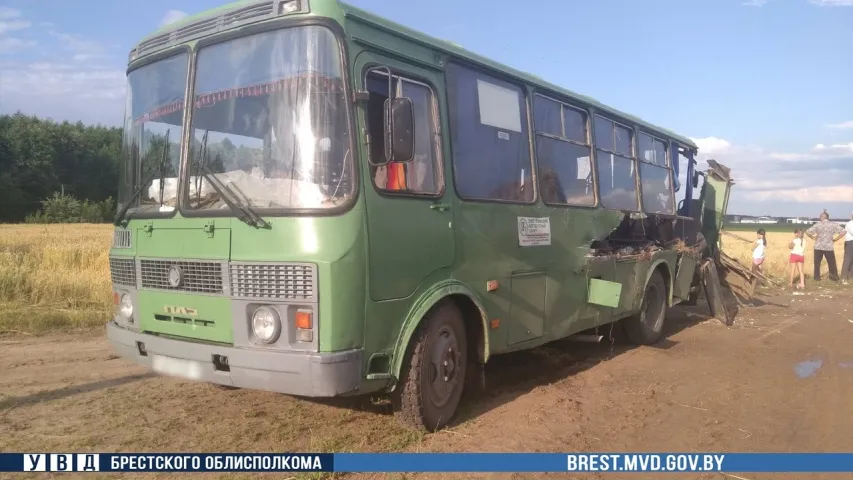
[[584, 169], [499, 107]]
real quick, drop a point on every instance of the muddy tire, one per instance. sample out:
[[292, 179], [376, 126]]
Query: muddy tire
[[646, 327], [433, 374]]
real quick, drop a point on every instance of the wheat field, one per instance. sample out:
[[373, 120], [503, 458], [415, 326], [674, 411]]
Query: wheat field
[[777, 253], [54, 277], [57, 276]]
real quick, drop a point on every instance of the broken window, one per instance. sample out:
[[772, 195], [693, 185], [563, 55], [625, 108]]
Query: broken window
[[614, 157], [422, 175], [563, 151], [655, 176], [488, 128]]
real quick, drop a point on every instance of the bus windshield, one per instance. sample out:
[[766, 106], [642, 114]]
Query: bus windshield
[[153, 126], [270, 121]]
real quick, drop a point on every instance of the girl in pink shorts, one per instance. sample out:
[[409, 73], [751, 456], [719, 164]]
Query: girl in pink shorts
[[797, 258]]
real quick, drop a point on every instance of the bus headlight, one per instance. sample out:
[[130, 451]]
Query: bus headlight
[[125, 307], [266, 324]]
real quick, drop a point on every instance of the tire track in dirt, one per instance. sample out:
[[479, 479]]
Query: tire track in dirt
[[704, 388]]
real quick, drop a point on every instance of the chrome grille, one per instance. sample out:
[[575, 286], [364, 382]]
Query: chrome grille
[[155, 43], [236, 17], [284, 281], [121, 239], [123, 271], [198, 276], [247, 13], [194, 29]]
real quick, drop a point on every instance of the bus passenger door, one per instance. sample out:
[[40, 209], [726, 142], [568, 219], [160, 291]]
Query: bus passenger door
[[410, 225]]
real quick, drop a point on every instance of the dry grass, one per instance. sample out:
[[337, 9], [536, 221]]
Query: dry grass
[[54, 277], [777, 253], [57, 276]]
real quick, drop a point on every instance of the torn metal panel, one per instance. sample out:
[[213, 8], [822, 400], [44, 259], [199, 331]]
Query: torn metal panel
[[715, 200], [740, 280], [714, 293]]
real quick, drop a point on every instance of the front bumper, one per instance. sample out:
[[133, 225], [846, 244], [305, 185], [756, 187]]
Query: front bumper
[[292, 373]]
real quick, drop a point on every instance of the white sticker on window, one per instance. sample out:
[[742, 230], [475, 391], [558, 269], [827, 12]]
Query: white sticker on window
[[534, 232], [584, 169], [499, 106], [503, 135]]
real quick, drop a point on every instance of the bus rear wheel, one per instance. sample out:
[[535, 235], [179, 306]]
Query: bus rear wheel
[[433, 375], [646, 327]]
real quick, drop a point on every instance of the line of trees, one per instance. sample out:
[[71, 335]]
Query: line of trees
[[51, 171]]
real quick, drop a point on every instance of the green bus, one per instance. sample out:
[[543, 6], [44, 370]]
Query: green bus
[[319, 202]]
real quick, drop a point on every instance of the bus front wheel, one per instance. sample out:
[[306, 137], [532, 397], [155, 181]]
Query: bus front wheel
[[433, 374], [646, 327]]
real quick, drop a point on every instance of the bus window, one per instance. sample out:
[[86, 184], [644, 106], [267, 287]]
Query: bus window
[[488, 128], [563, 151], [421, 174], [655, 176], [614, 158]]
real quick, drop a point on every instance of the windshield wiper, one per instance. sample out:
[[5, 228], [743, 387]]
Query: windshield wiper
[[243, 212], [162, 168], [202, 161], [120, 215]]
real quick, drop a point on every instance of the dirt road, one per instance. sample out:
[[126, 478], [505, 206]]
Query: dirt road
[[780, 380]]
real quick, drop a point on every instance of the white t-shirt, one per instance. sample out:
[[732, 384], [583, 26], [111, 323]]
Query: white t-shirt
[[799, 247], [758, 252], [849, 227]]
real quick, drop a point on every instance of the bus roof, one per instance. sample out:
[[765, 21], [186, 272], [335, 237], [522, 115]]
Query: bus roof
[[452, 49]]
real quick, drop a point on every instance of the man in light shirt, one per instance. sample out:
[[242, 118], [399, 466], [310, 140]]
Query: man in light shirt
[[847, 266], [825, 234]]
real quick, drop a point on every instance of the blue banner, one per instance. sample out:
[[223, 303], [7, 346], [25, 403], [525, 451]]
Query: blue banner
[[429, 462]]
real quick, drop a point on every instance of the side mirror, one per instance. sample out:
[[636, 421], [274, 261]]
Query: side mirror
[[695, 179], [399, 130]]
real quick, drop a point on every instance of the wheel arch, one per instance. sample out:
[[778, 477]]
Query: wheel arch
[[666, 270], [473, 315]]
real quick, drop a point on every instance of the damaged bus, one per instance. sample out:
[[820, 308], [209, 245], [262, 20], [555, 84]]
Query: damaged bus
[[319, 202]]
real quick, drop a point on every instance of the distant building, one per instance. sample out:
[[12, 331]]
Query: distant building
[[762, 220], [800, 220]]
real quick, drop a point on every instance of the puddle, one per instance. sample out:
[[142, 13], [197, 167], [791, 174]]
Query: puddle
[[808, 368]]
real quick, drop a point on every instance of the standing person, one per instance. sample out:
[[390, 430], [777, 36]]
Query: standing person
[[847, 265], [758, 251], [825, 234], [798, 258]]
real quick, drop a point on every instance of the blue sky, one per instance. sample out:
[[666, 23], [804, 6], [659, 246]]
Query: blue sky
[[765, 87]]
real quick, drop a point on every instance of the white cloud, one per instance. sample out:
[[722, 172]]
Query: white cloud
[[13, 25], [79, 44], [172, 16], [842, 126], [817, 152], [832, 3], [13, 45], [712, 144], [784, 183], [63, 91], [836, 193]]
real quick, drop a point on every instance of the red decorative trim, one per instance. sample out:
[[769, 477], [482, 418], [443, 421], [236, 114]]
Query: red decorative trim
[[257, 90]]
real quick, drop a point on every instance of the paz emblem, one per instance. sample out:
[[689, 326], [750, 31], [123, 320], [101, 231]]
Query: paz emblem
[[176, 276]]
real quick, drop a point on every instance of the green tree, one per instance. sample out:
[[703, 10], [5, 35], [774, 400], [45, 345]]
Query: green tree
[[39, 157]]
